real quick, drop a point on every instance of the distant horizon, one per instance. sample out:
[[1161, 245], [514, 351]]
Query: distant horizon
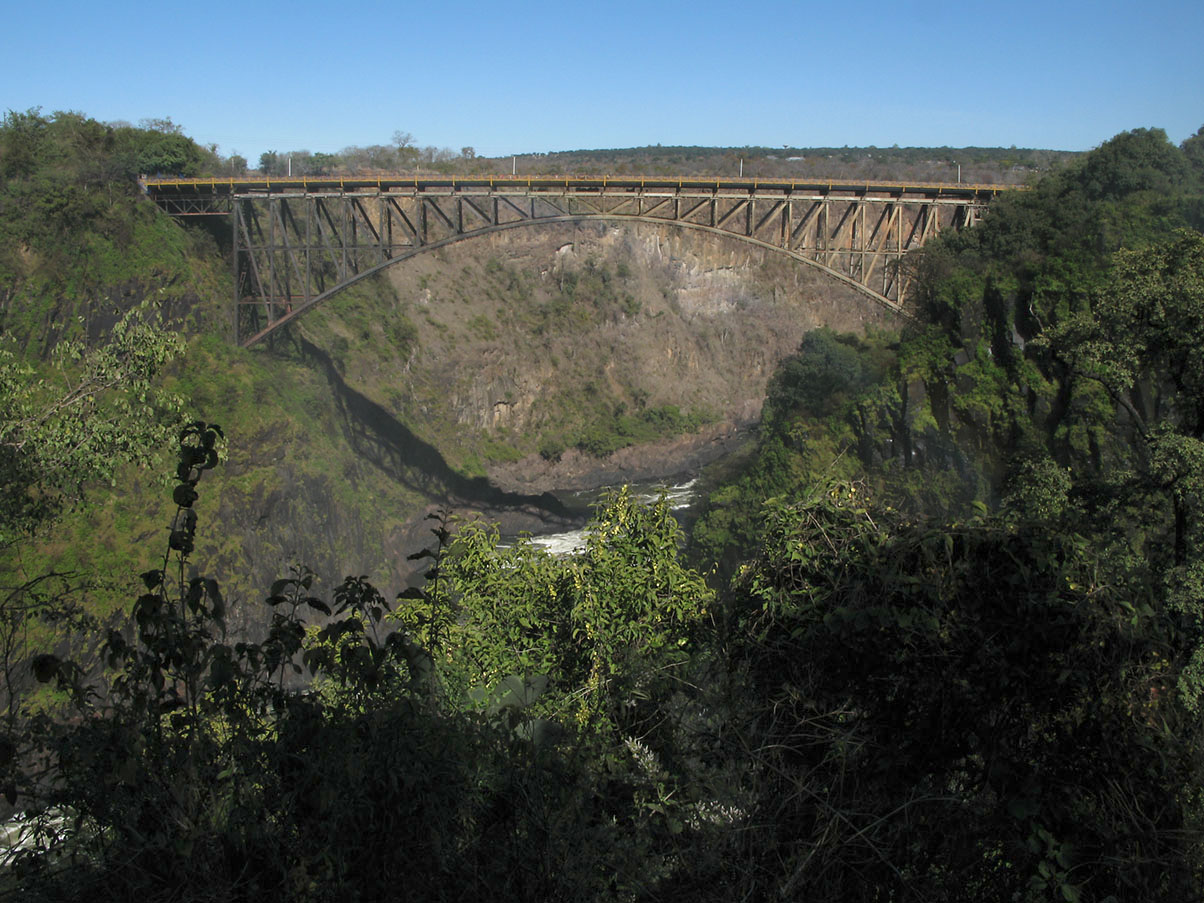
[[776, 148], [336, 147], [780, 148]]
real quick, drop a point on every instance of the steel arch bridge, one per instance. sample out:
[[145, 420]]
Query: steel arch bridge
[[299, 241]]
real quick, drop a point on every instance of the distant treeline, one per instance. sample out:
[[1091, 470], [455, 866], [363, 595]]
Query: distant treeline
[[1008, 165], [977, 164]]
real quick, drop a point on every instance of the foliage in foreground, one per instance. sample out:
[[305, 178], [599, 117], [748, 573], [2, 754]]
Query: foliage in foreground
[[201, 770], [884, 710], [988, 707]]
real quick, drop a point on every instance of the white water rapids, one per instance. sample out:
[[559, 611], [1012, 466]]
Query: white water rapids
[[679, 495]]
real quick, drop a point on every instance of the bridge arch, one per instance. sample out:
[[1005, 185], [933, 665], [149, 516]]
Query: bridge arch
[[295, 311]]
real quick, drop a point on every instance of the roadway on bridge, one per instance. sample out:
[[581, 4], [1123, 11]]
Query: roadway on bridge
[[395, 182]]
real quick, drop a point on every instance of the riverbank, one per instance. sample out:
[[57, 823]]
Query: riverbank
[[575, 471], [572, 483]]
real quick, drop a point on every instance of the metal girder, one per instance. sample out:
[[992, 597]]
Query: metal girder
[[196, 206], [298, 241]]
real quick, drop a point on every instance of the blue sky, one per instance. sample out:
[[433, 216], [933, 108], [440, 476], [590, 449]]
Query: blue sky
[[540, 76]]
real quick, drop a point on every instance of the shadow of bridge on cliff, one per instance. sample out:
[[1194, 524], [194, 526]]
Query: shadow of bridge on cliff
[[386, 442]]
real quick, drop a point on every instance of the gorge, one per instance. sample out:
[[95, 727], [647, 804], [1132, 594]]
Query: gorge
[[515, 364]]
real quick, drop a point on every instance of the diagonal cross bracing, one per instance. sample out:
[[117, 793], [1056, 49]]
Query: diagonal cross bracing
[[298, 241]]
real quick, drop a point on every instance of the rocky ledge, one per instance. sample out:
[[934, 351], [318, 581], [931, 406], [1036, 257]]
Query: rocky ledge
[[575, 470]]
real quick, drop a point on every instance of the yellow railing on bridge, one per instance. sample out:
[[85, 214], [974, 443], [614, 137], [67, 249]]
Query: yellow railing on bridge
[[258, 185]]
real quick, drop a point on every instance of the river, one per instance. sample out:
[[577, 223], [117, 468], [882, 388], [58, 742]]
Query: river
[[681, 491]]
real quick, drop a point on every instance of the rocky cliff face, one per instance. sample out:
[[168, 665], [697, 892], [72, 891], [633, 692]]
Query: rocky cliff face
[[533, 337]]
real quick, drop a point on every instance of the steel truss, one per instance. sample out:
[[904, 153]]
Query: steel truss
[[296, 242]]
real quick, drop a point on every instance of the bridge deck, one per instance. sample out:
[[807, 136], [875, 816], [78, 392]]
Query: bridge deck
[[166, 189]]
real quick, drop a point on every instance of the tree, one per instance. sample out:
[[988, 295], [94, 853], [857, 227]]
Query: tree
[[162, 124], [99, 410], [62, 434], [21, 142], [599, 629], [828, 368], [1142, 343], [1131, 162], [968, 710], [323, 164], [160, 151]]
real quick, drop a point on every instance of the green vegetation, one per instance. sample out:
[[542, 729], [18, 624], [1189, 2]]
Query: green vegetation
[[982, 710], [902, 631], [73, 244], [994, 165], [608, 434], [469, 713], [951, 648], [1025, 342]]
